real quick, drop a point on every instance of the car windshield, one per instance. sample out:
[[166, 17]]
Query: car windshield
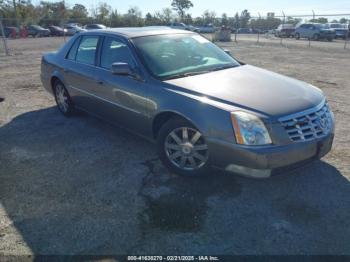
[[181, 55]]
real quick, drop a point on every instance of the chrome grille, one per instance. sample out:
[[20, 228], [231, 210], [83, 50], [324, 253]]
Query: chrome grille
[[308, 125]]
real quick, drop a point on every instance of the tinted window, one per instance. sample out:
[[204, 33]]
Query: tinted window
[[87, 50], [73, 50], [115, 51]]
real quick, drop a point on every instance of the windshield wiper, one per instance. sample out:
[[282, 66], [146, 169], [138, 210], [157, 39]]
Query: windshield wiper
[[185, 75], [223, 67]]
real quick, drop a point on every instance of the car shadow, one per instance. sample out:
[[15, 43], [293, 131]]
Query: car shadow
[[80, 186]]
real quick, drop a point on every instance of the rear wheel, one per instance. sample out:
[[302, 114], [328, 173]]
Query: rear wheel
[[63, 100], [182, 148]]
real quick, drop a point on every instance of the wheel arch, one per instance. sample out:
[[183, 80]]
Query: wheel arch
[[162, 117], [56, 76]]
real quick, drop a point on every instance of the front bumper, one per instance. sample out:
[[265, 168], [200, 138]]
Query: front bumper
[[260, 161]]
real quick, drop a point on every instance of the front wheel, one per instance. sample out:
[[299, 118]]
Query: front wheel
[[63, 100], [182, 148], [297, 36]]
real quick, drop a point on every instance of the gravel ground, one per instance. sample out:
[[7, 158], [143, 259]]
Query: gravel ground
[[81, 186]]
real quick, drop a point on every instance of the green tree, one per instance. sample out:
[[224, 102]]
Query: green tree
[[321, 20], [224, 19], [79, 12], [209, 17], [181, 6], [133, 17], [244, 18], [103, 12], [343, 20]]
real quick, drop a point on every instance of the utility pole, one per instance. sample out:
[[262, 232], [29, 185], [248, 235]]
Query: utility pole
[[284, 21], [4, 37], [15, 11]]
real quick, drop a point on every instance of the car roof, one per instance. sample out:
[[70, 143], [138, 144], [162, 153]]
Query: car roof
[[133, 32]]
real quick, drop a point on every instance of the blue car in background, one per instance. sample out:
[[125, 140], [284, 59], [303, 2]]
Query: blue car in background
[[314, 31]]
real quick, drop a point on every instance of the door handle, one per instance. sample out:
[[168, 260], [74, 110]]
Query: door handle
[[100, 82]]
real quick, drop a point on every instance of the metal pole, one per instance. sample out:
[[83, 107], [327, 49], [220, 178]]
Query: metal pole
[[259, 27], [347, 37], [4, 38], [284, 21], [15, 11], [236, 25]]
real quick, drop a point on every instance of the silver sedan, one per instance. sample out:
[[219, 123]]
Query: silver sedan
[[202, 107]]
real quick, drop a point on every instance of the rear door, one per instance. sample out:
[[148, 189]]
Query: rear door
[[80, 70]]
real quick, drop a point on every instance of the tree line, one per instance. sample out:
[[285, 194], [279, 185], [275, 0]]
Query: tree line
[[18, 12]]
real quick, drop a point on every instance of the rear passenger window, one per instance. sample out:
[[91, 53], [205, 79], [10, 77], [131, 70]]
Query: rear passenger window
[[115, 51], [73, 50], [87, 50]]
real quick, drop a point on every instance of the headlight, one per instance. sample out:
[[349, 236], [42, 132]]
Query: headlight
[[249, 129]]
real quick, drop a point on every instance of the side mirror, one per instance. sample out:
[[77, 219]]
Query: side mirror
[[121, 69]]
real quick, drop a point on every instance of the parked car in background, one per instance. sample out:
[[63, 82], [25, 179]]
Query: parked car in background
[[94, 27], [285, 30], [193, 28], [207, 29], [244, 31], [199, 105], [73, 29], [314, 31], [38, 31], [180, 26], [9, 31], [341, 30], [56, 30]]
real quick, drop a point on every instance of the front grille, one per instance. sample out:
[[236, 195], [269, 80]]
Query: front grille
[[308, 125]]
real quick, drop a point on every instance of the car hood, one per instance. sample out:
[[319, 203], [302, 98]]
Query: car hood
[[252, 88]]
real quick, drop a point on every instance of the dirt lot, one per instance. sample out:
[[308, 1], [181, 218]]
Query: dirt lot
[[81, 186]]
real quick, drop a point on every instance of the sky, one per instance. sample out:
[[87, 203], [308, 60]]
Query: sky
[[294, 7]]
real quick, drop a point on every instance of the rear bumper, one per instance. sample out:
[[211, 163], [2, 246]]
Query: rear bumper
[[259, 162]]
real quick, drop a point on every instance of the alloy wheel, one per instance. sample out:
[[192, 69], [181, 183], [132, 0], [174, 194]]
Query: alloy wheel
[[62, 98], [185, 148]]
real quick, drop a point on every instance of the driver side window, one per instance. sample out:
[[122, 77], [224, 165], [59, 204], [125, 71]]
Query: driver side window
[[115, 51]]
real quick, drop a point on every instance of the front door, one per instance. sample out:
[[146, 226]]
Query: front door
[[124, 98]]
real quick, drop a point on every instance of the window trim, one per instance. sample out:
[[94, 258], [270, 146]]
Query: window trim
[[70, 48]]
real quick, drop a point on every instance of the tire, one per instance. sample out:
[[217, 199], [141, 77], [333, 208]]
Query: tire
[[316, 37], [63, 100], [185, 155], [297, 36], [330, 39]]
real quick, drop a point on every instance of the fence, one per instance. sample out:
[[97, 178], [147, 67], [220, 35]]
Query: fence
[[260, 32], [261, 29]]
